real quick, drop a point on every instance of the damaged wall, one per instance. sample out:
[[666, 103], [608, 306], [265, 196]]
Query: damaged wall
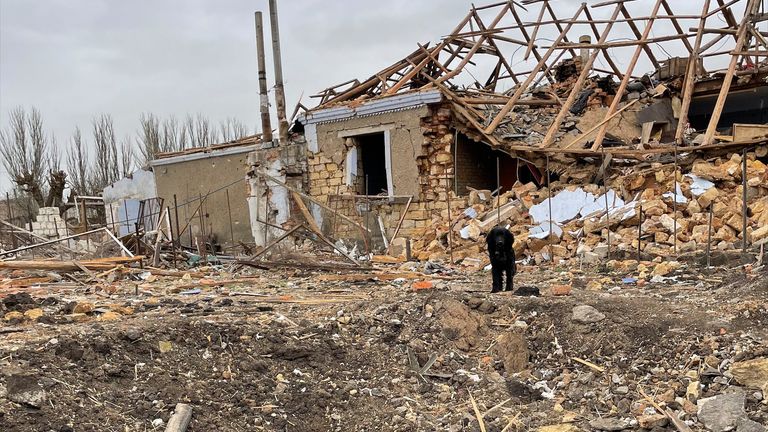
[[327, 167], [270, 203], [189, 177]]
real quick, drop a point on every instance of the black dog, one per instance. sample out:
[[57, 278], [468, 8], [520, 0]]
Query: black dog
[[502, 254]]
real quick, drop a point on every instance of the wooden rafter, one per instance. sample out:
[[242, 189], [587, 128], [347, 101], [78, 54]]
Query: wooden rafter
[[549, 138], [751, 9], [690, 76], [624, 82], [531, 76]]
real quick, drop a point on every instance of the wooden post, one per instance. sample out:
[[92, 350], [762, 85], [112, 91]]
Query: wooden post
[[335, 212], [628, 74], [607, 211], [229, 213], [549, 202], [173, 237], [450, 225], [709, 237], [674, 205], [408, 249], [578, 86], [744, 200], [690, 76], [180, 419], [728, 79], [138, 246], [399, 224], [10, 219], [640, 234], [498, 196]]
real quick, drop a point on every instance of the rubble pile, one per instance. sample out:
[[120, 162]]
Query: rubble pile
[[640, 204], [277, 350]]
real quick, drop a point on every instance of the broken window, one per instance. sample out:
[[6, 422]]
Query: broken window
[[369, 165], [743, 106], [475, 168]]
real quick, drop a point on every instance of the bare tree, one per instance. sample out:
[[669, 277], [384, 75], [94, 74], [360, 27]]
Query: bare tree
[[149, 137], [78, 164], [200, 131], [232, 129], [106, 164], [127, 156], [28, 156], [171, 135]]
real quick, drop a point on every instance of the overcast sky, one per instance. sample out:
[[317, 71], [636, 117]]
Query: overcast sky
[[74, 59]]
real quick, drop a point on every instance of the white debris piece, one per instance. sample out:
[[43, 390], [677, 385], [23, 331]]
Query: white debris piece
[[541, 231], [699, 185], [681, 199]]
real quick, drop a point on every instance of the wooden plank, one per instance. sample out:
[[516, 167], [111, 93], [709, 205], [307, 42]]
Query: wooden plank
[[305, 211], [752, 6], [535, 32], [399, 224], [690, 76], [623, 86], [531, 76], [549, 138], [65, 265], [746, 132], [640, 36]]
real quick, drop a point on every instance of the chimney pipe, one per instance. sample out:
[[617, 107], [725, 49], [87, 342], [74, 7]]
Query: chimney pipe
[[584, 52], [279, 89], [266, 124]]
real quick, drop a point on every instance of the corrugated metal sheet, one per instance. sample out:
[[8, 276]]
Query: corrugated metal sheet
[[377, 106]]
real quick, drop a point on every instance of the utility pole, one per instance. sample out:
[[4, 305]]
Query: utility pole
[[279, 89], [266, 124]]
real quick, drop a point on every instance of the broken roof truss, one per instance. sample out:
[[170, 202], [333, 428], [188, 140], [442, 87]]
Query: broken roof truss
[[494, 63]]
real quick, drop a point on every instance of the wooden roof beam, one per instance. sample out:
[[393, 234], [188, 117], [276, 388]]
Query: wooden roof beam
[[751, 9], [624, 82], [524, 86], [690, 76], [639, 36], [549, 138], [677, 26], [531, 41]]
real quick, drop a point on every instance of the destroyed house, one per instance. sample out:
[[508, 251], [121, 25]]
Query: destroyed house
[[206, 192], [516, 99]]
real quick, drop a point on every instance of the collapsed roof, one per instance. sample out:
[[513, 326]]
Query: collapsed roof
[[529, 86]]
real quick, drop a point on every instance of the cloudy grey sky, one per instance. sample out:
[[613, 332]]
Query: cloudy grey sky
[[74, 59]]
